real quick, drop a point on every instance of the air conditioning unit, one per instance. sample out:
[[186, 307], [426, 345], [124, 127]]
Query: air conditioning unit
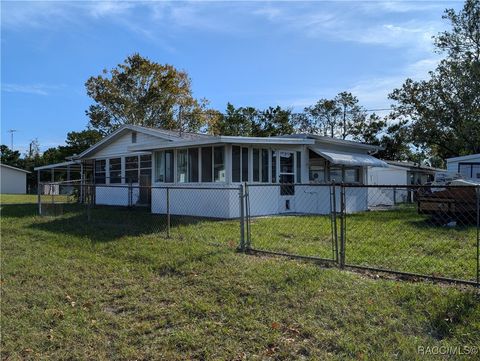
[[317, 174]]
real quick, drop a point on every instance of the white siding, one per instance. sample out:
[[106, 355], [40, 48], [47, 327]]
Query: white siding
[[13, 181], [121, 144], [452, 165]]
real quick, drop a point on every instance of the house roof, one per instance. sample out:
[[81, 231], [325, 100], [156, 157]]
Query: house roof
[[414, 166], [185, 139], [15, 168], [330, 140], [464, 157]]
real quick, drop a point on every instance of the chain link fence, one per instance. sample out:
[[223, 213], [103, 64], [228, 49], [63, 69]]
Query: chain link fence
[[410, 231]]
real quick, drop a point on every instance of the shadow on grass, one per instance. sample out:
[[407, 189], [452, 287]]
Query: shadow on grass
[[107, 224], [19, 210]]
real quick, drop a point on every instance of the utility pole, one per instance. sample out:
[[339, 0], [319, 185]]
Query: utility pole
[[11, 131]]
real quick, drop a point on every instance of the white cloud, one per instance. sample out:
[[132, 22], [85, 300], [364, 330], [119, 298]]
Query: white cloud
[[36, 89]]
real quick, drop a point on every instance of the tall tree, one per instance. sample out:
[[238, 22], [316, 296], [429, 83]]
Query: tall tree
[[350, 113], [10, 157], [143, 92], [444, 111], [324, 117]]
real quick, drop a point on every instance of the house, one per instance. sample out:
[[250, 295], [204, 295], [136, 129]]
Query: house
[[13, 180], [397, 173], [213, 168], [468, 166]]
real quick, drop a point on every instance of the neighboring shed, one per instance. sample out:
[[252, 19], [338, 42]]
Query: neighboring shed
[[13, 180], [468, 166], [387, 176]]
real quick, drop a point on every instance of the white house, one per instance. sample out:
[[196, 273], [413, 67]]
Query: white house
[[217, 165], [468, 166], [13, 180]]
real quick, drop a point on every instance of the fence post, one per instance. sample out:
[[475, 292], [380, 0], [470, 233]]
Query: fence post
[[342, 225], [394, 196], [87, 194], [333, 211], [241, 246], [478, 236], [168, 212], [39, 193], [247, 215]]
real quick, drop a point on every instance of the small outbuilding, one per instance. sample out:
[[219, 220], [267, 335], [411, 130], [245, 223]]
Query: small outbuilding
[[13, 180]]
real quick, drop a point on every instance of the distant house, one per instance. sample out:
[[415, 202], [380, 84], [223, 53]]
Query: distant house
[[397, 173], [468, 166], [153, 158], [13, 180]]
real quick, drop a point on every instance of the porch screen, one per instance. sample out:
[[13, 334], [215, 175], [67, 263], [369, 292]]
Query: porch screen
[[100, 171], [115, 170]]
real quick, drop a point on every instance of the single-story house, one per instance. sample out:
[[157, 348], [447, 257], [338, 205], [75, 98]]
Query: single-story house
[[468, 166], [213, 167], [13, 180]]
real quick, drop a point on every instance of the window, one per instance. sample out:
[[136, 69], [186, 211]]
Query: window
[[131, 169], [164, 166], [244, 164], [299, 167], [182, 165], [115, 167], [351, 175], [134, 137], [469, 170], [264, 165], [145, 168], [256, 165], [100, 170], [274, 166], [236, 171], [207, 168], [336, 174], [219, 164], [193, 165]]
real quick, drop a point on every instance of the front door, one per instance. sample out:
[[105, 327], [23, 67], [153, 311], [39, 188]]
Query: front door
[[145, 188], [287, 180]]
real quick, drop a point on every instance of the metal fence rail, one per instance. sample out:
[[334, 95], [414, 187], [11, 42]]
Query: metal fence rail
[[410, 231]]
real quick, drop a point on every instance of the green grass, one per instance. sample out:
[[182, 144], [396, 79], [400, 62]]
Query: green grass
[[116, 288], [398, 239], [18, 198]]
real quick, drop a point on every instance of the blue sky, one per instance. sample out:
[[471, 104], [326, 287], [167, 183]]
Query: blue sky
[[247, 53]]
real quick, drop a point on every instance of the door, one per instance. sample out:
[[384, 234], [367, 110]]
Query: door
[[286, 174], [145, 188]]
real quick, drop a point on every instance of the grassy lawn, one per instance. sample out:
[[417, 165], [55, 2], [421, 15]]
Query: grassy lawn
[[116, 288], [18, 198], [399, 239]]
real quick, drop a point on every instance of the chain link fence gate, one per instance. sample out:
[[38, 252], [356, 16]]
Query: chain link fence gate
[[428, 232]]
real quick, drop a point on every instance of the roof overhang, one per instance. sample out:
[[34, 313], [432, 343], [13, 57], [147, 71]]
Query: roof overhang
[[58, 165], [349, 158], [15, 168], [221, 140]]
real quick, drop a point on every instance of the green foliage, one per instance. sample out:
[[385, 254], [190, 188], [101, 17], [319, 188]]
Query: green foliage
[[248, 121], [444, 111], [340, 117], [10, 157], [146, 93]]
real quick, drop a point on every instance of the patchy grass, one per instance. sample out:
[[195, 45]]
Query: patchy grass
[[18, 198], [112, 289], [399, 239]]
